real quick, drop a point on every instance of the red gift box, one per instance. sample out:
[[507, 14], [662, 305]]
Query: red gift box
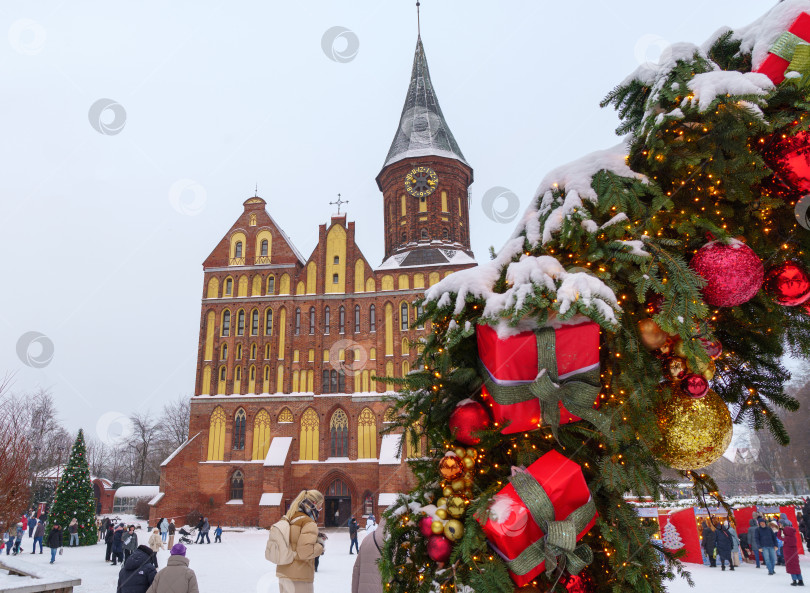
[[510, 528], [514, 362], [774, 65]]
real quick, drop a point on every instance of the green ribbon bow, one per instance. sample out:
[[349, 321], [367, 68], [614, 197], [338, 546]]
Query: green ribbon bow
[[795, 50], [577, 393], [785, 45], [560, 539]]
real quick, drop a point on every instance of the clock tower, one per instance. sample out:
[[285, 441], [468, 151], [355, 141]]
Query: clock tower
[[425, 183]]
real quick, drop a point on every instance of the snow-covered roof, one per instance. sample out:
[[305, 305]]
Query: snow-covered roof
[[277, 453], [137, 491], [759, 500], [156, 499], [387, 499], [180, 448], [389, 454], [422, 130], [40, 577], [235, 501], [270, 499]]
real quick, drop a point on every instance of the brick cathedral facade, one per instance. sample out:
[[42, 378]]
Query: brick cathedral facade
[[289, 347]]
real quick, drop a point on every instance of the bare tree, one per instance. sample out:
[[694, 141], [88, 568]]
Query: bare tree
[[144, 437], [15, 454], [174, 421]]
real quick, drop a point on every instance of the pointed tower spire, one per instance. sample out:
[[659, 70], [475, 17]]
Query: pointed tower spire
[[422, 129]]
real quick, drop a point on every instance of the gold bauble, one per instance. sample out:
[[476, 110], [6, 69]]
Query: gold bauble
[[442, 502], [447, 492], [437, 527], [450, 467], [710, 371], [695, 431], [453, 530], [441, 514], [468, 462], [460, 451], [679, 348], [458, 485], [456, 506], [652, 336], [472, 453]]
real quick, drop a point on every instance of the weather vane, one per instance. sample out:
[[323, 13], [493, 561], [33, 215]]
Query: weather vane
[[339, 202], [256, 193], [418, 25]]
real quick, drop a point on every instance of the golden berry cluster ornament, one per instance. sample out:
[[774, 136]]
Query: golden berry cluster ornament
[[694, 431]]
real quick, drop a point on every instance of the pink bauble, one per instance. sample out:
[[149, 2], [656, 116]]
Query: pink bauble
[[466, 420], [695, 385], [424, 526], [439, 548], [733, 273], [788, 284]]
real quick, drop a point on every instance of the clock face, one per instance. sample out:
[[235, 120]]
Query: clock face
[[421, 182]]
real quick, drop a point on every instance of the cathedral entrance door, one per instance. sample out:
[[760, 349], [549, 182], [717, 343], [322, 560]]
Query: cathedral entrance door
[[338, 504]]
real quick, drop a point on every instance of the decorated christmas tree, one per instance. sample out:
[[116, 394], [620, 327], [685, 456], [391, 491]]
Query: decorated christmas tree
[[74, 496], [671, 538], [642, 306]]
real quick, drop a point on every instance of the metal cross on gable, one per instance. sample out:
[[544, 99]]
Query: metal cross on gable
[[339, 202]]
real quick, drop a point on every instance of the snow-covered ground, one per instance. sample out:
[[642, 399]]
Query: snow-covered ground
[[238, 564]]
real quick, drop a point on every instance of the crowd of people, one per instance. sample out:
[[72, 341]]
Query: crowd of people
[[768, 543]]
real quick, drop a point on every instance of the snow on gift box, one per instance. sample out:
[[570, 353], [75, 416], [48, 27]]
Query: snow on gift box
[[542, 376], [535, 521]]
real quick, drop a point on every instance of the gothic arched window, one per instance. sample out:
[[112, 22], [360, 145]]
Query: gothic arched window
[[311, 320], [339, 435], [239, 429], [237, 485]]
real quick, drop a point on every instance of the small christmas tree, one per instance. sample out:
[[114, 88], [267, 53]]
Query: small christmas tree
[[74, 496], [671, 538]]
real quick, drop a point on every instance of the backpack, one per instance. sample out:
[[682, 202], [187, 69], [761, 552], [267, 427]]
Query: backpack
[[279, 551]]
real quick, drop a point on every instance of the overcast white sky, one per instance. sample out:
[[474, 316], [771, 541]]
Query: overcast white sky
[[102, 247]]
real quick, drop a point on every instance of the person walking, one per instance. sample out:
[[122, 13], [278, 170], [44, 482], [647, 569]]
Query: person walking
[[765, 541], [137, 572], [73, 530], [366, 574], [735, 543], [724, 545], [109, 535], [32, 524], [206, 527], [130, 539], [709, 542], [18, 537], [118, 545], [39, 533], [55, 540], [156, 544], [218, 534], [305, 541], [752, 533], [163, 524], [24, 522], [777, 531], [791, 552], [200, 524], [177, 577], [172, 529], [353, 527]]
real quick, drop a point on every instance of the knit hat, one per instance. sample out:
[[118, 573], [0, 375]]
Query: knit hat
[[178, 550]]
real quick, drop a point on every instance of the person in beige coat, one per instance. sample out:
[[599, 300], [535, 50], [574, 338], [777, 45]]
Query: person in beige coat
[[177, 577], [299, 575], [366, 574], [156, 543]]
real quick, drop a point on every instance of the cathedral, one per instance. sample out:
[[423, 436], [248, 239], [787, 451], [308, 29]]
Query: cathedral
[[287, 395]]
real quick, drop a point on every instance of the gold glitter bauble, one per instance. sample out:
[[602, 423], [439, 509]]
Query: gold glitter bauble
[[454, 530], [695, 431], [456, 506]]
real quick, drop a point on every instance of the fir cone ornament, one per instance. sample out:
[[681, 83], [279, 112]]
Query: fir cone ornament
[[788, 284], [695, 431], [733, 273]]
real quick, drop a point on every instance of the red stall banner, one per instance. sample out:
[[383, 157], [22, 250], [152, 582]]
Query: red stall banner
[[790, 512], [742, 517], [679, 531]]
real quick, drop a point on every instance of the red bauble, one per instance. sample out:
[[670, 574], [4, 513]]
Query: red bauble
[[424, 526], [788, 284], [788, 158], [733, 273], [467, 419], [712, 348], [695, 385], [439, 548]]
